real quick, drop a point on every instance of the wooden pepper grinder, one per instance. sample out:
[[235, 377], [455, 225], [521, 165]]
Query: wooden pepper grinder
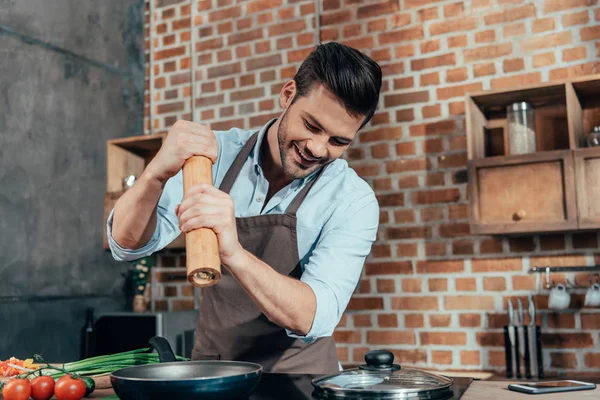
[[203, 263]]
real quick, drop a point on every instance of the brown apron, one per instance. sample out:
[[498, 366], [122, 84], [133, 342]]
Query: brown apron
[[231, 326]]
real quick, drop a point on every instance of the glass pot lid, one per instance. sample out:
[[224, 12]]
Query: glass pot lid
[[380, 378]]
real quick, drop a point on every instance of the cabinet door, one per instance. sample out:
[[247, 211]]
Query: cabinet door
[[587, 180], [523, 194]]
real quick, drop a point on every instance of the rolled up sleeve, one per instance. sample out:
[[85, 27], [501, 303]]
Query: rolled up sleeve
[[167, 224], [335, 265]]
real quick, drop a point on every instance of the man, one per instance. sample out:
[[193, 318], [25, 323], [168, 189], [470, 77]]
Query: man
[[294, 223]]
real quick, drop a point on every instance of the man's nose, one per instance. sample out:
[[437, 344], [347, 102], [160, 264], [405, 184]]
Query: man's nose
[[317, 147]]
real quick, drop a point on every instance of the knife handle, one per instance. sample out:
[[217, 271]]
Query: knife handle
[[526, 355], [518, 368], [538, 345], [508, 353]]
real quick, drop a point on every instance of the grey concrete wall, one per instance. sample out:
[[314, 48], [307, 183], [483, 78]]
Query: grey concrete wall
[[71, 77]]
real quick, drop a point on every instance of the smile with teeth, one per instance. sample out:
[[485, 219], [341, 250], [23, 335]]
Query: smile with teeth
[[304, 158]]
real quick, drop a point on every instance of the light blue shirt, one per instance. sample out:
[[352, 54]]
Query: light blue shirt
[[336, 224]]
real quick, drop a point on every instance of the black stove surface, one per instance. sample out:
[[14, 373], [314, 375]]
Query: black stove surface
[[299, 387]]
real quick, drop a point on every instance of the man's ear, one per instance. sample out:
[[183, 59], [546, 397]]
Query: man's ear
[[288, 92]]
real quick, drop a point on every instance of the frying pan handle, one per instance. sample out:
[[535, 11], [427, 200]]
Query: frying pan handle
[[163, 348]]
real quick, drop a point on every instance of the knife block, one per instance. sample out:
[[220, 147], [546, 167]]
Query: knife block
[[523, 352]]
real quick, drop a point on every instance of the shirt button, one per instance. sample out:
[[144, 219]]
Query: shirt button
[[259, 199]]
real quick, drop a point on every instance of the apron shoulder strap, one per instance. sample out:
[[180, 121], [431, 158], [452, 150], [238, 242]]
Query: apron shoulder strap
[[238, 163], [299, 199]]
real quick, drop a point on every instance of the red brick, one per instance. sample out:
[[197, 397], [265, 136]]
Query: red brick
[[399, 20], [225, 125], [517, 29], [560, 5], [386, 286], [286, 13], [496, 265], [484, 69], [225, 13], [458, 142], [488, 52], [543, 60], [342, 354], [438, 284], [592, 360], [432, 146], [352, 30], [567, 340], [590, 321], [470, 357], [411, 285], [381, 150], [454, 9], [260, 5], [378, 25], [415, 303], [414, 321], [205, 101], [457, 91], [380, 118], [563, 360], [430, 46], [382, 184], [407, 250], [515, 81], [374, 10], [403, 216], [429, 214], [558, 261], [427, 14], [393, 199], [462, 247], [485, 36], [362, 321], [575, 71], [335, 18], [458, 41], [561, 321], [433, 62], [469, 302], [439, 267], [440, 320], [404, 165], [380, 135], [443, 338], [419, 3], [543, 25], [443, 127], [365, 303], [432, 78], [391, 337], [365, 170], [496, 358], [436, 196], [470, 320], [263, 62], [387, 320], [490, 339], [414, 232], [453, 25], [404, 83], [224, 70], [547, 41], [577, 18], [494, 284], [435, 249], [513, 64], [389, 268], [405, 115], [433, 111], [347, 336], [403, 35], [527, 282], [510, 15], [169, 53], [590, 33], [453, 161], [443, 357], [390, 69]]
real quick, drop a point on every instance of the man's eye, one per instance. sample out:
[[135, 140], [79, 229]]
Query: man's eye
[[310, 127], [338, 142]]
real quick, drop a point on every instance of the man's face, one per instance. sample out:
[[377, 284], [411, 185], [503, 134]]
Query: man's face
[[315, 130]]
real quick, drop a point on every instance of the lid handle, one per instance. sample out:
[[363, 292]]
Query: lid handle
[[379, 360]]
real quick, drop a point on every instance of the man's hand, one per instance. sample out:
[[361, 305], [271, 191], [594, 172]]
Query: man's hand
[[205, 206], [184, 140]]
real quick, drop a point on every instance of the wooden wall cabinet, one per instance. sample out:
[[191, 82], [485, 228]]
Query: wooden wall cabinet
[[551, 190], [125, 157]]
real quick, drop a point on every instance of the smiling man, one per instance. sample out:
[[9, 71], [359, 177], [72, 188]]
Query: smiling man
[[294, 222]]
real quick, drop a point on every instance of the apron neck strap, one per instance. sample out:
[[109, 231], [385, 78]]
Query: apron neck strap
[[238, 163], [297, 202]]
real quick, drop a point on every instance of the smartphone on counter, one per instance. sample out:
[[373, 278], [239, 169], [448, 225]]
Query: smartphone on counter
[[551, 387]]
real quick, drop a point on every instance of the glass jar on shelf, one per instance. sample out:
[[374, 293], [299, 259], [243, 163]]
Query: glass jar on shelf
[[520, 119], [593, 138]]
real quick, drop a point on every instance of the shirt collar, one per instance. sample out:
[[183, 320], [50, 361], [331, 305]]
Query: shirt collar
[[256, 155]]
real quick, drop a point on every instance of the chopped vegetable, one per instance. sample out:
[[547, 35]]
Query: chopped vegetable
[[13, 366]]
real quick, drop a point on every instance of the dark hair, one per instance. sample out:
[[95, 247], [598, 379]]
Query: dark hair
[[353, 77]]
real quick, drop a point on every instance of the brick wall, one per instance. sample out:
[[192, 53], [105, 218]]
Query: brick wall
[[431, 292]]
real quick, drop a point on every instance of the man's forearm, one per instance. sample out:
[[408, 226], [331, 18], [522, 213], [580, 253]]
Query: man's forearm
[[134, 219], [287, 302]]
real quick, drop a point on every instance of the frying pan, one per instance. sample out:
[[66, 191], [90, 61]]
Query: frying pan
[[172, 379]]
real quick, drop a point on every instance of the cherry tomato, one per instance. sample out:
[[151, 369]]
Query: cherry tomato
[[42, 388], [16, 389], [68, 388]]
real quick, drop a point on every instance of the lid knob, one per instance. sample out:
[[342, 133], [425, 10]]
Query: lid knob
[[379, 360]]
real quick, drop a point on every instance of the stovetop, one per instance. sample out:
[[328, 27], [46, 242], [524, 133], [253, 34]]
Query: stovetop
[[299, 387]]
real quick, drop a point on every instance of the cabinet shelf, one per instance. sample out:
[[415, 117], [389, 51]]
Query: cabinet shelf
[[129, 156], [545, 191]]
